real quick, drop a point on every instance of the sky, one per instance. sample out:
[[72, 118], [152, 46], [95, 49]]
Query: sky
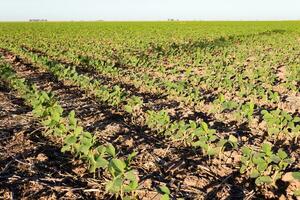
[[118, 10]]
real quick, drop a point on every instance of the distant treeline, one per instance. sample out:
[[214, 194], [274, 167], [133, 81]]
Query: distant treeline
[[38, 20]]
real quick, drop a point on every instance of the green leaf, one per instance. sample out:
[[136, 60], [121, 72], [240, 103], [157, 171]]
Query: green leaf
[[277, 176], [117, 166], [198, 144], [296, 119], [84, 149], [273, 130], [65, 148], [114, 186], [101, 149], [296, 175], [56, 116], [72, 118], [282, 155], [164, 189], [127, 198], [101, 162], [70, 139], [221, 143], [263, 180], [232, 139], [128, 109], [213, 151], [130, 175], [213, 138], [110, 149], [204, 126], [262, 166], [243, 169], [78, 130], [275, 158], [46, 122], [297, 192], [257, 159], [131, 186], [165, 197], [264, 112], [131, 156], [86, 141], [87, 135], [193, 124], [267, 148], [58, 132], [246, 151], [254, 173]]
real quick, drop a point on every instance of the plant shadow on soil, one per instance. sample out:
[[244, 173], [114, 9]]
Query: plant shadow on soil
[[24, 173], [29, 177]]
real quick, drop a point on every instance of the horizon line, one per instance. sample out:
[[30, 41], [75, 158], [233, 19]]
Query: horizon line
[[163, 20]]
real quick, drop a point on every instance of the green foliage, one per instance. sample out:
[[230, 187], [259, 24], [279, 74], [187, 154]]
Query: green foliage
[[200, 61], [124, 179], [281, 122], [248, 110], [133, 104], [75, 140], [165, 192], [265, 166], [206, 139], [296, 175], [158, 121]]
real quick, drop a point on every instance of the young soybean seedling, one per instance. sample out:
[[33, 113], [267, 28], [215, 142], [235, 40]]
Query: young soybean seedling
[[124, 179], [281, 123], [133, 107], [207, 140], [265, 166], [99, 157]]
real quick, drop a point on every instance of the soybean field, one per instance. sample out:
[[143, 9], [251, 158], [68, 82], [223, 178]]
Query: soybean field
[[150, 110]]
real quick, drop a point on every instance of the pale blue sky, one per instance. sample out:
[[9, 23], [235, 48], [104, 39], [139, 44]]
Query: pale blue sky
[[13, 10]]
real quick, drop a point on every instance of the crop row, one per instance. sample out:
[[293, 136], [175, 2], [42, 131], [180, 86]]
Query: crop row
[[122, 179], [241, 111], [189, 133]]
